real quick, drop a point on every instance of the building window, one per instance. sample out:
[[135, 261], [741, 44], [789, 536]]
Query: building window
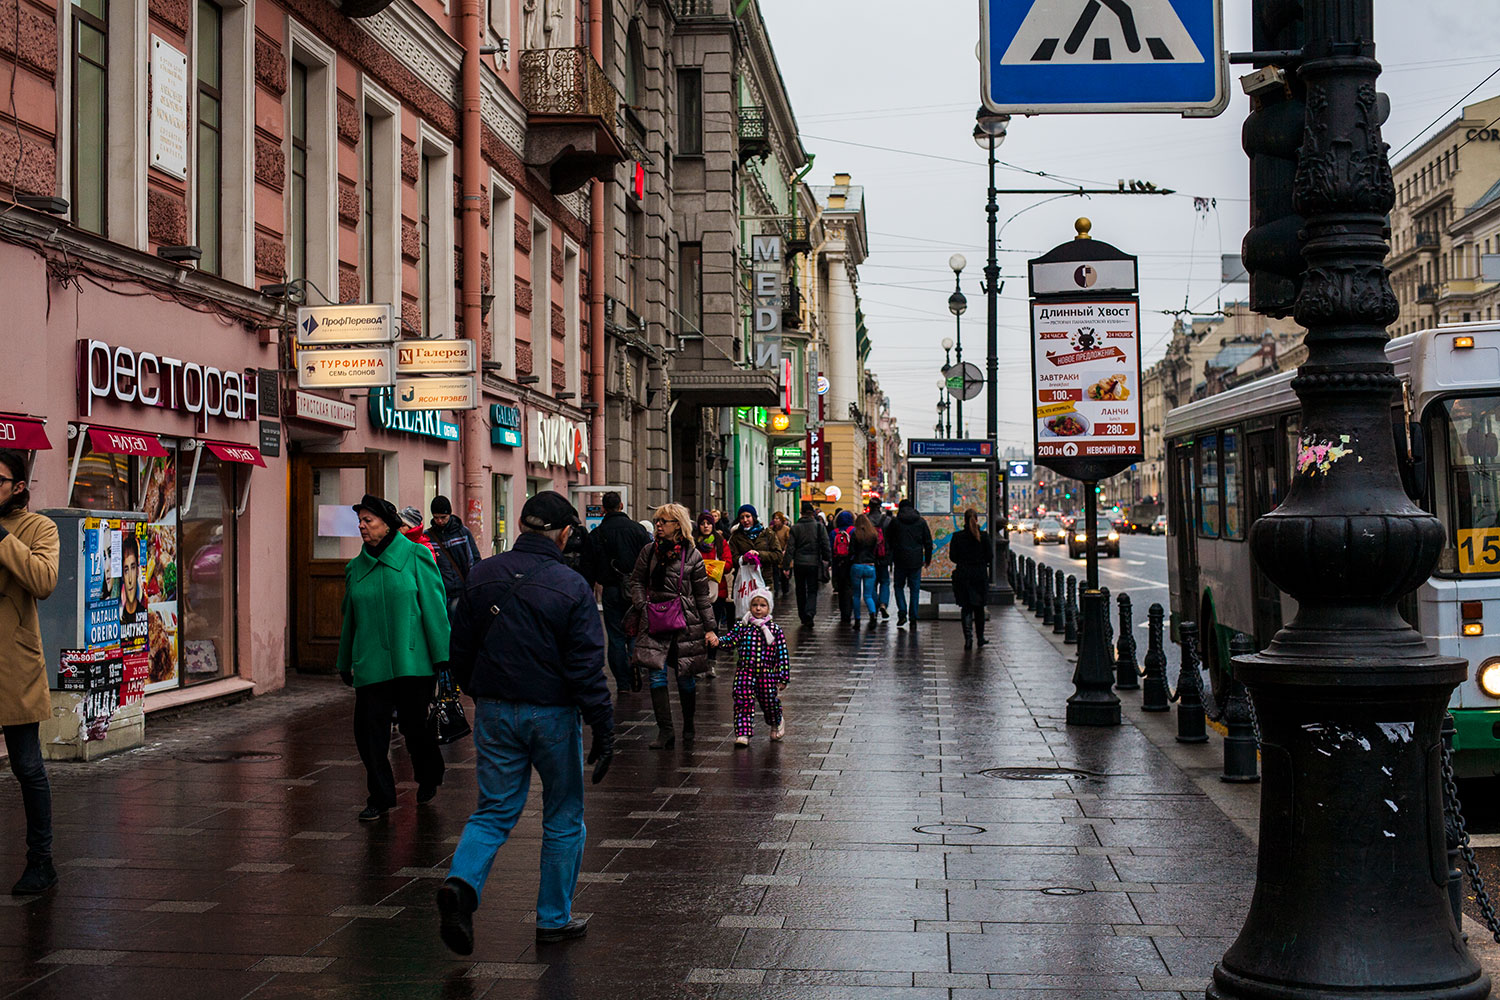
[[210, 188], [90, 140], [541, 303], [690, 112], [296, 243], [503, 279], [690, 288], [635, 248], [380, 156], [424, 239], [634, 57], [572, 364], [367, 218]]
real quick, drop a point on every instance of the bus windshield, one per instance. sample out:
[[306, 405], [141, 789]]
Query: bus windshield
[[1466, 472]]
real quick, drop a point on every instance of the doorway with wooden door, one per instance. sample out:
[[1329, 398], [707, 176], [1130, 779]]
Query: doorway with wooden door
[[325, 536]]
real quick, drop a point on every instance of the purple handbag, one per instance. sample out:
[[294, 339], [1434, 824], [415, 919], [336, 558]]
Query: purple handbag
[[667, 616]]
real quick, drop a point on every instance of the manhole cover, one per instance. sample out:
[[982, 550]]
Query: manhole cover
[[949, 829], [1064, 890], [1039, 773], [230, 757]]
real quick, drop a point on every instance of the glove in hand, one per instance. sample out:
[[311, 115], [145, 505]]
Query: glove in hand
[[347, 677], [602, 752]]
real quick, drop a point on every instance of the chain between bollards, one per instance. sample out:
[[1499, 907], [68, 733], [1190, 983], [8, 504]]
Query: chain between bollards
[[1241, 763], [1192, 727], [1154, 695], [1059, 622], [1126, 675], [1451, 805], [1070, 613]]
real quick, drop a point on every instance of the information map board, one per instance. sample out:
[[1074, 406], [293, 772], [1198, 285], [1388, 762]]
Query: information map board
[[941, 496]]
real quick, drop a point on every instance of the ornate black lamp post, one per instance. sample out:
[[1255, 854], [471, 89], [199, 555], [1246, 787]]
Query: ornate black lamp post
[[989, 133], [957, 305], [1350, 896]]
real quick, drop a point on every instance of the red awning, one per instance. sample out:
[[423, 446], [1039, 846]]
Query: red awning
[[25, 433], [247, 454], [113, 442]]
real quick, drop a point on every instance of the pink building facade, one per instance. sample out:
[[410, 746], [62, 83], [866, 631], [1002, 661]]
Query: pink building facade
[[300, 155]]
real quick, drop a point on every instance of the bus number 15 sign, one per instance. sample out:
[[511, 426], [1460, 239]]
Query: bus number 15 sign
[[1087, 361], [1479, 550]]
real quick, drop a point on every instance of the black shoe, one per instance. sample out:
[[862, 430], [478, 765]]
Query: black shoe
[[662, 706], [37, 879], [426, 793], [456, 904], [873, 619], [807, 622], [370, 814], [885, 613], [900, 618], [689, 701], [567, 932]]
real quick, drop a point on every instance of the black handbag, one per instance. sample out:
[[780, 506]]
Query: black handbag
[[446, 716]]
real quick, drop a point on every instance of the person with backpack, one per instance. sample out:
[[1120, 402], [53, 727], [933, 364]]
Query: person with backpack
[[808, 549], [610, 552], [528, 647], [862, 559], [881, 520], [843, 545], [453, 546], [910, 542]]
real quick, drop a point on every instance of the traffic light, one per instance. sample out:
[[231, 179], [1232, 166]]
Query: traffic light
[[1272, 135]]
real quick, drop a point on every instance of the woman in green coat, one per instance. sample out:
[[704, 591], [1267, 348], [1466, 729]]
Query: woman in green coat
[[394, 640]]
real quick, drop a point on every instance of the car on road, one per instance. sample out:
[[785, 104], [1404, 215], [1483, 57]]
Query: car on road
[[1107, 539], [1026, 525], [1048, 531], [1159, 526]]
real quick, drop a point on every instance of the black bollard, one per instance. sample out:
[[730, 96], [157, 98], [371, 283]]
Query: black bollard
[[1192, 726], [1070, 613], [1241, 765], [1010, 571], [1093, 702], [1109, 629], [1045, 612], [1127, 678], [1028, 582], [1059, 624], [1154, 697]]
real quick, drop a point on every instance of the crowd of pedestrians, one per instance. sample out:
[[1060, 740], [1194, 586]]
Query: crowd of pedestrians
[[522, 633]]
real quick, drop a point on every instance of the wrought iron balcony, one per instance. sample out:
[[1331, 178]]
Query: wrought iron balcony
[[798, 237], [791, 306], [1425, 238], [755, 134], [690, 9], [1427, 293], [572, 113]]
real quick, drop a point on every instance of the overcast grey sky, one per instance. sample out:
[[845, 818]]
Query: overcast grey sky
[[890, 73]]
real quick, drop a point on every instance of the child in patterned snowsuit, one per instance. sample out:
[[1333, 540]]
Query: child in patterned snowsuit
[[764, 669]]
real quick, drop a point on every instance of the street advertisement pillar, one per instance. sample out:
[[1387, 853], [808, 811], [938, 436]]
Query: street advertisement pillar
[[1086, 369]]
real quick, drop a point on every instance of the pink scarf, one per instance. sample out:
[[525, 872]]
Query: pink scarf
[[765, 628]]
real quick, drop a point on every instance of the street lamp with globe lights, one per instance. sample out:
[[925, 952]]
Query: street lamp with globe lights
[[957, 305], [989, 133], [942, 407]]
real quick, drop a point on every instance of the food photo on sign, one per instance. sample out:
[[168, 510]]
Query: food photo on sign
[[1087, 358]]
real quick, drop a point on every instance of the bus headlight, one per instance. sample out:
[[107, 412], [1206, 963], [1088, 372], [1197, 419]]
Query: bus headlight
[[1488, 677]]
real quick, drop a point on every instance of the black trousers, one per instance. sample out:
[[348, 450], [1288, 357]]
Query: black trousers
[[808, 582], [24, 748], [408, 698]]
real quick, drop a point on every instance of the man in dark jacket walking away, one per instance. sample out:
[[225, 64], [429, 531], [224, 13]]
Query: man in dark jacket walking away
[[881, 520], [528, 647], [453, 545], [610, 554], [808, 549], [909, 541]]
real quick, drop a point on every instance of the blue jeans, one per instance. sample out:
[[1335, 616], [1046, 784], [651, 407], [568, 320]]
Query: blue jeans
[[883, 584], [659, 680], [621, 646], [908, 579], [511, 738], [862, 579]]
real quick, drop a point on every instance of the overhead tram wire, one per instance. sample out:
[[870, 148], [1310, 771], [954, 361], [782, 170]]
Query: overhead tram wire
[[1423, 131]]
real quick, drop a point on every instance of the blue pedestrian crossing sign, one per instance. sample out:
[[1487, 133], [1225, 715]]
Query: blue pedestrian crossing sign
[[1075, 56]]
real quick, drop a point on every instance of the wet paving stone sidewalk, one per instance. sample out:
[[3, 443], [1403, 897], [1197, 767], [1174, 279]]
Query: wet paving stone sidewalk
[[929, 829]]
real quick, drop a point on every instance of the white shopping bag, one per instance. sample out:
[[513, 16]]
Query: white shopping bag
[[746, 582]]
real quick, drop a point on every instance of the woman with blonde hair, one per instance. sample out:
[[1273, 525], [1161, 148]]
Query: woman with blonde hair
[[672, 612]]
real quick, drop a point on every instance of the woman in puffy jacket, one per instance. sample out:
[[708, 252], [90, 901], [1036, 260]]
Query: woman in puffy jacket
[[670, 573]]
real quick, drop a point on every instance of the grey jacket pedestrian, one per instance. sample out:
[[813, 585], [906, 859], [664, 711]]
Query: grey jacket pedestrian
[[809, 542]]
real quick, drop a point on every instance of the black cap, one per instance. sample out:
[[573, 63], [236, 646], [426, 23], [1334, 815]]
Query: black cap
[[441, 505], [548, 511], [381, 508]]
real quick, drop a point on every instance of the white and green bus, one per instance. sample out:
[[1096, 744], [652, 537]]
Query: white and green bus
[[1230, 459]]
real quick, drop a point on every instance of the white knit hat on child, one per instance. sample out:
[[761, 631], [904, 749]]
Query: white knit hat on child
[[765, 623]]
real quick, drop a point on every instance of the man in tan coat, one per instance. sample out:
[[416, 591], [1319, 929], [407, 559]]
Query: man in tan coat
[[28, 572]]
